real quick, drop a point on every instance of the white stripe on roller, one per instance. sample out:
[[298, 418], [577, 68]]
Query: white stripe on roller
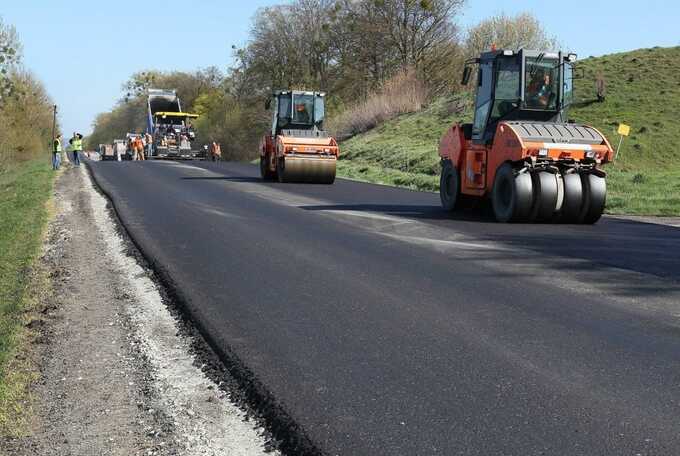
[[567, 146]]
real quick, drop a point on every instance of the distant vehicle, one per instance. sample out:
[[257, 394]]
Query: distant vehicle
[[120, 149], [297, 148], [171, 129], [106, 152]]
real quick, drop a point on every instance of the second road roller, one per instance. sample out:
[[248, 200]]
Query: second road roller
[[521, 150], [298, 149]]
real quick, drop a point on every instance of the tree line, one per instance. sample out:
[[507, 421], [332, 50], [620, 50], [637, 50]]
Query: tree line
[[351, 49], [25, 107]]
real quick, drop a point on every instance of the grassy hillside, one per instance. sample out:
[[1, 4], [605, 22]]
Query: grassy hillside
[[643, 91]]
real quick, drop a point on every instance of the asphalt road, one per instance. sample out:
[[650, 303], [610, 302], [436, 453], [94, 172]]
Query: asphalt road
[[383, 326]]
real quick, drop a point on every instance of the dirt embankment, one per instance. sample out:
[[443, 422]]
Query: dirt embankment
[[116, 377]]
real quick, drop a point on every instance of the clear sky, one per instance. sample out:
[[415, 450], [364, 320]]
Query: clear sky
[[84, 50]]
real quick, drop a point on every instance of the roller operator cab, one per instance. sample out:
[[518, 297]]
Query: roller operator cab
[[297, 148], [521, 150]]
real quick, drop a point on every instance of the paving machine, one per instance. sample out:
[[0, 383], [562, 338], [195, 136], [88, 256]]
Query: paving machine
[[297, 149], [171, 129], [521, 151]]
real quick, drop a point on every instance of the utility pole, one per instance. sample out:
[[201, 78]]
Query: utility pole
[[54, 122], [54, 130]]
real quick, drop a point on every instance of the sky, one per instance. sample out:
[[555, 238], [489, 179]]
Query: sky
[[85, 50]]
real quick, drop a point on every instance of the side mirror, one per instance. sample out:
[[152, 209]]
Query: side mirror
[[467, 71], [268, 103]]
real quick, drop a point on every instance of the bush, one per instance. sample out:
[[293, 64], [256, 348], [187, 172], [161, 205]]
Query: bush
[[402, 94], [25, 120]]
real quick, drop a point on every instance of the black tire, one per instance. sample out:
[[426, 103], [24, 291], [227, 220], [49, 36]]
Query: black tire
[[281, 170], [594, 198], [265, 173], [512, 196], [545, 196], [449, 187], [573, 198]]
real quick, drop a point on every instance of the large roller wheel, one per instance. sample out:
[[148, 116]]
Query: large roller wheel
[[573, 198], [312, 170], [512, 196], [545, 196], [594, 198], [449, 187], [265, 172], [281, 170]]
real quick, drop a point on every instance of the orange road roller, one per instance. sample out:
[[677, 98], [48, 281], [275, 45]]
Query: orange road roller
[[298, 149], [521, 151]]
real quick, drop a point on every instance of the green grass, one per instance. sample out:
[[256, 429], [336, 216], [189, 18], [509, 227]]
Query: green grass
[[25, 189], [643, 91]]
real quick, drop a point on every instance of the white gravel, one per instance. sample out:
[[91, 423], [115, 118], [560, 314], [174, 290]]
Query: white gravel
[[206, 421]]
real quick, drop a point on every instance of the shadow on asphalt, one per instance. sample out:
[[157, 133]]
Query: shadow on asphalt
[[410, 211], [225, 178], [622, 244]]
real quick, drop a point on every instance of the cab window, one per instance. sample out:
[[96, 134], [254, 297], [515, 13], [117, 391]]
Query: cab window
[[507, 87], [541, 89]]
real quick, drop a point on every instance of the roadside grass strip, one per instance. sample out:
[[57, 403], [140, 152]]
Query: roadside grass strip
[[25, 189]]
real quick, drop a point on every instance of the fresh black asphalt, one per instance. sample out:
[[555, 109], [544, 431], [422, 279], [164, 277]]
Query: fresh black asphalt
[[378, 346]]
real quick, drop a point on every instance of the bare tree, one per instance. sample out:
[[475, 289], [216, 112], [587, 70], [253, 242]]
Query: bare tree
[[521, 31], [416, 28]]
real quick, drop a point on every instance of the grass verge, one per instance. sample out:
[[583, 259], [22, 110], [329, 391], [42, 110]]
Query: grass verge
[[25, 189]]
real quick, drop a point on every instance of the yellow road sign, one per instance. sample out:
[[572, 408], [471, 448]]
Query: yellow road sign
[[624, 130]]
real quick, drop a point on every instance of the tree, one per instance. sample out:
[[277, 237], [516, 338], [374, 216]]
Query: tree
[[416, 28], [521, 31], [25, 108], [10, 56]]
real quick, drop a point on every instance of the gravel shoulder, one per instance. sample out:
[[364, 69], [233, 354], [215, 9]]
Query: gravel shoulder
[[118, 373]]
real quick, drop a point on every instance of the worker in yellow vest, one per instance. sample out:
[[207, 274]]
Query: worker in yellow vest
[[56, 152], [77, 147]]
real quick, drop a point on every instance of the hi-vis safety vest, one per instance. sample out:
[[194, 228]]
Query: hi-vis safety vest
[[56, 147], [77, 144]]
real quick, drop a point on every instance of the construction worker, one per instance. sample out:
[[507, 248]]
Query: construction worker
[[545, 93], [149, 143], [301, 114], [138, 147], [56, 152], [215, 151], [77, 147], [540, 90]]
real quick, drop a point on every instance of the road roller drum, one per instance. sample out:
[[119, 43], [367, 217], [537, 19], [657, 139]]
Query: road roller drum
[[312, 170]]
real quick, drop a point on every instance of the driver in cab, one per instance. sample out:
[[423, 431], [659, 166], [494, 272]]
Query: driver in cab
[[301, 114], [540, 91]]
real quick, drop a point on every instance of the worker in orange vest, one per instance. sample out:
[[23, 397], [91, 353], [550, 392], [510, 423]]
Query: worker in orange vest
[[138, 147], [215, 151]]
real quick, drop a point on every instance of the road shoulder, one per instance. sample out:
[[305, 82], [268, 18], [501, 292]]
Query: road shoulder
[[114, 374]]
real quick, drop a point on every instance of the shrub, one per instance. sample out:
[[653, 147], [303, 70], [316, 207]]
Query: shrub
[[402, 94]]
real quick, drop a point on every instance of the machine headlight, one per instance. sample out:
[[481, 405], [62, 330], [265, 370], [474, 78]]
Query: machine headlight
[[543, 153]]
